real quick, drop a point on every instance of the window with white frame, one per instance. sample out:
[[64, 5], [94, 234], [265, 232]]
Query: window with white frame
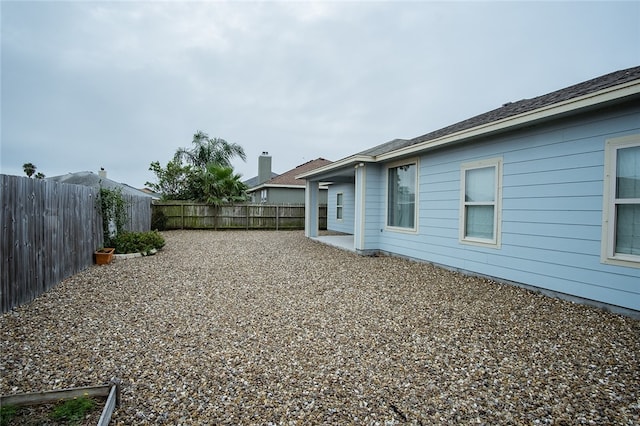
[[401, 195], [339, 205], [621, 211], [480, 202]]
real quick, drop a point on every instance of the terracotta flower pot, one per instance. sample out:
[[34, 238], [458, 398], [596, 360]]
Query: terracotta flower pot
[[104, 256]]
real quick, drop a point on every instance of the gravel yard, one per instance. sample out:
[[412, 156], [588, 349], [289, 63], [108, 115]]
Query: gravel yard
[[273, 328]]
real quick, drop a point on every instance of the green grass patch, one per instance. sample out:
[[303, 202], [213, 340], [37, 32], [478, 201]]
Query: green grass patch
[[6, 414], [73, 410]]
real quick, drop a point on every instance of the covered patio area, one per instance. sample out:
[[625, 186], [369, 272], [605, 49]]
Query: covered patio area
[[343, 241]]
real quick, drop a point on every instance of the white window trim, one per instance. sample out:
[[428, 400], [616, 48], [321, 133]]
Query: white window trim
[[339, 207], [608, 254], [399, 163], [496, 241]]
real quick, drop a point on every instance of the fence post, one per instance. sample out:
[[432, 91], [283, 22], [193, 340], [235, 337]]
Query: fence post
[[277, 217]]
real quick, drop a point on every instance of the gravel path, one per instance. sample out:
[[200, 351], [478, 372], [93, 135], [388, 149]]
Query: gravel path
[[272, 328]]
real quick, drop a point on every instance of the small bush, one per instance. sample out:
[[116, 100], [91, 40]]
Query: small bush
[[138, 242], [158, 220]]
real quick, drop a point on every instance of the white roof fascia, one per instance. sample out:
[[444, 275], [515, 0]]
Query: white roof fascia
[[574, 104], [337, 165], [276, 185], [255, 188]]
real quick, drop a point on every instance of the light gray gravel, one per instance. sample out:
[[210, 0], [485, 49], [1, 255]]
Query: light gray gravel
[[272, 328]]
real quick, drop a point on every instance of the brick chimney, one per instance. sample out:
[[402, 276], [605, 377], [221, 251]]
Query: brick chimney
[[264, 167], [102, 173]]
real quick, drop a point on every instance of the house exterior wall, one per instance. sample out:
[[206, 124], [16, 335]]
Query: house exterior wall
[[374, 209], [287, 195], [552, 201], [348, 208]]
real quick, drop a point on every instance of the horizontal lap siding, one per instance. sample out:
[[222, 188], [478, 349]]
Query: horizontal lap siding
[[346, 224], [277, 195], [551, 210], [374, 206], [439, 201]]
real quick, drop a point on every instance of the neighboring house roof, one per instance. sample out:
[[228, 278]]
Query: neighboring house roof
[[289, 180], [151, 192], [607, 88], [93, 180], [254, 180]]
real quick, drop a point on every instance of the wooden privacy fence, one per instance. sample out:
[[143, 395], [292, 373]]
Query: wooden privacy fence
[[138, 213], [49, 232], [188, 215]]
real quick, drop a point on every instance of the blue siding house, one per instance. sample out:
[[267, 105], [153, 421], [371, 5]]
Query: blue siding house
[[543, 192]]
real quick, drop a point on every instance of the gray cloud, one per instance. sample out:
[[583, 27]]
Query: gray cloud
[[121, 84]]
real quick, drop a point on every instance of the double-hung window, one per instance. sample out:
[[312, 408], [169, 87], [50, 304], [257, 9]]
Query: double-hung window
[[621, 210], [339, 205], [401, 195], [480, 202]]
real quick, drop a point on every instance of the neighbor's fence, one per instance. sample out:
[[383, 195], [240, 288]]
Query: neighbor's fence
[[188, 215], [49, 232], [138, 213]]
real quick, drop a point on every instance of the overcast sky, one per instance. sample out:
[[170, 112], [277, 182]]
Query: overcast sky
[[121, 84]]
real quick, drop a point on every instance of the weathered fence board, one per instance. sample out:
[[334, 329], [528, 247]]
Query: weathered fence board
[[49, 232], [138, 213], [33, 398], [188, 215]]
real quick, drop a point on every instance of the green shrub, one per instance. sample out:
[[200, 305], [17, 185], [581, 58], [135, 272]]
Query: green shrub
[[138, 242], [158, 220], [113, 209]]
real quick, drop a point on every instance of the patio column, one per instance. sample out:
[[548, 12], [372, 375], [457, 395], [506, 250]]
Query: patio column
[[311, 221], [359, 219]]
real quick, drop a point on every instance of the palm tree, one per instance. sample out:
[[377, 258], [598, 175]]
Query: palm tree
[[29, 169], [208, 150], [220, 185]]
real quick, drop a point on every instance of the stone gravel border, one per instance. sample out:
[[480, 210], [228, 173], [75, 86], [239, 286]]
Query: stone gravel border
[[265, 327]]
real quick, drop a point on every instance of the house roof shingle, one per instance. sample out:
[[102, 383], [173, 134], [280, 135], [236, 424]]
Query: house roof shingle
[[91, 179], [254, 180], [511, 109], [289, 178]]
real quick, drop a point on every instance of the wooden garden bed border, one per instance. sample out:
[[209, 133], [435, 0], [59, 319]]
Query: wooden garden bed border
[[110, 391]]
